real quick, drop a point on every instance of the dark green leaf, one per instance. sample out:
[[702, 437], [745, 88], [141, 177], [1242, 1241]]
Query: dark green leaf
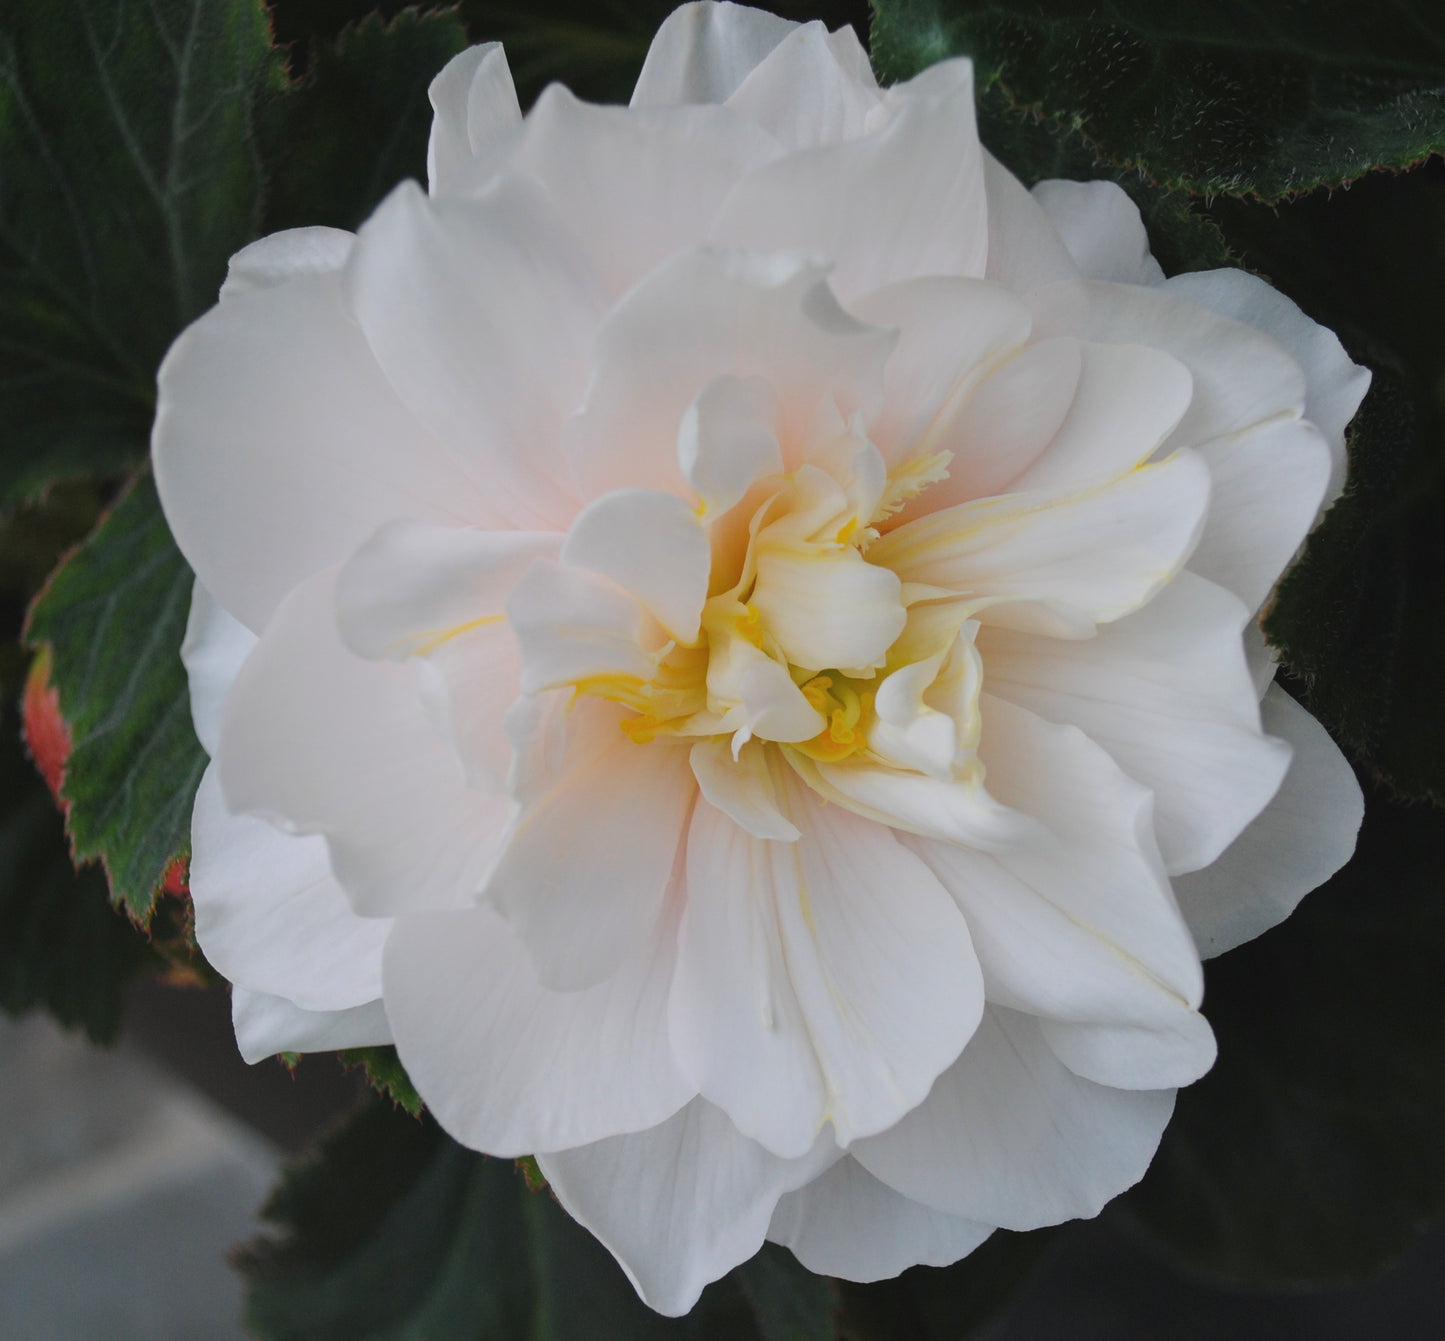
[[386, 1073], [1241, 97], [1312, 1151], [392, 1230], [113, 617], [127, 177], [358, 123], [62, 946]]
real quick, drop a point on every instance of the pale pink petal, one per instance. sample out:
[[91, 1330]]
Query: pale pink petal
[[481, 313], [513, 1068], [741, 787], [827, 980], [467, 684], [1025, 250], [846, 1223], [1300, 839], [1063, 560], [1168, 693], [838, 103], [904, 201], [652, 545], [276, 434], [588, 858], [1334, 386], [680, 1205], [412, 587], [271, 917], [320, 740], [216, 646], [266, 1025], [1010, 1136], [273, 260], [475, 111], [728, 438], [703, 315], [702, 52], [1102, 229]]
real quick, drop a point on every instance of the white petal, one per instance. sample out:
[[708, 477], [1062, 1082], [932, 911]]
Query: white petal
[[572, 624], [412, 587], [1010, 1136], [1099, 820], [1135, 1057], [827, 609], [951, 333], [741, 787], [1102, 229], [1128, 400], [215, 647], [467, 684], [829, 979], [679, 1205], [266, 1025], [322, 741], [637, 185], [1060, 560], [1301, 839], [707, 314], [728, 439], [1241, 377], [837, 104], [702, 52], [279, 446], [846, 1223], [475, 106], [955, 811], [508, 1066], [273, 260], [907, 200], [270, 916], [587, 861], [1334, 386], [1024, 246], [481, 313], [1268, 485], [651, 545], [1168, 693]]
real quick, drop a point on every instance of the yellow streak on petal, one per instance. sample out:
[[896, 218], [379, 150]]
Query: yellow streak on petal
[[435, 639]]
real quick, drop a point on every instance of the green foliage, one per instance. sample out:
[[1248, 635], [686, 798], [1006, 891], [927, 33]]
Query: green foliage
[[1243, 97], [393, 1230], [61, 945], [357, 123], [386, 1073], [113, 617], [1311, 1152], [128, 175]]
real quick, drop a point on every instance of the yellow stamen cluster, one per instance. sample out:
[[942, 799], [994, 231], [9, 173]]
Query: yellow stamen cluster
[[847, 709]]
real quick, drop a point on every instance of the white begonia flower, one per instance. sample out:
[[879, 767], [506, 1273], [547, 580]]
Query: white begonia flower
[[726, 630]]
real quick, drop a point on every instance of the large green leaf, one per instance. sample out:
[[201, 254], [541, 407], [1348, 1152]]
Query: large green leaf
[[395, 1231], [1225, 97], [1312, 1152], [113, 617], [358, 122], [62, 946], [128, 175]]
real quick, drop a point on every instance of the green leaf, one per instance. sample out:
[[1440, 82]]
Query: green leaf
[[113, 617], [358, 123], [386, 1073], [1241, 97], [1311, 1153], [127, 177], [62, 946], [392, 1230]]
